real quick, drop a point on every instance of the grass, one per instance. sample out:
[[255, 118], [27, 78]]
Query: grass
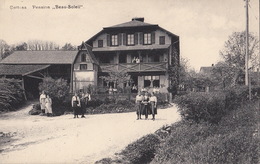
[[233, 140]]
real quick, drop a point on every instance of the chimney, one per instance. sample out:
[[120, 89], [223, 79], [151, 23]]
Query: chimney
[[138, 19]]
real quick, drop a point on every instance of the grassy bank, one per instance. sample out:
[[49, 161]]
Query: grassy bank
[[235, 139]]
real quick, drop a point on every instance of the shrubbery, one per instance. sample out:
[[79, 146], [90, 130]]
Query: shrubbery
[[211, 106], [233, 140], [11, 94], [58, 90], [142, 150]]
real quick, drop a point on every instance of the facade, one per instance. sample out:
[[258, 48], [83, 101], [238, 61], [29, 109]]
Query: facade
[[143, 51], [116, 48]]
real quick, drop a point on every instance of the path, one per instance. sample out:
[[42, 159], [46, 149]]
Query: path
[[63, 139]]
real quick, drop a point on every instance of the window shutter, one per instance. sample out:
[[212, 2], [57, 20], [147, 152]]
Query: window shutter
[[124, 38], [136, 38], [119, 36], [108, 40], [141, 38], [153, 37]]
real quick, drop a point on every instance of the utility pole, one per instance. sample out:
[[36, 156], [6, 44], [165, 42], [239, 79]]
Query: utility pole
[[247, 77]]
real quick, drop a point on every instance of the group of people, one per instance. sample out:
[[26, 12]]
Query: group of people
[[46, 104], [136, 60], [79, 104], [146, 105]]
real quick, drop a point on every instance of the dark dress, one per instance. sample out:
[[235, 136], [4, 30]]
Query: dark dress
[[145, 106]]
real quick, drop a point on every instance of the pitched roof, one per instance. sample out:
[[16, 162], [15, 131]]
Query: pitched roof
[[133, 23], [90, 57], [137, 47], [40, 57], [20, 69]]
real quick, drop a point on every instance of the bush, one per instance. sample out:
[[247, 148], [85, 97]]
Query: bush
[[211, 106], [198, 107], [233, 140], [142, 150], [11, 94], [58, 90]]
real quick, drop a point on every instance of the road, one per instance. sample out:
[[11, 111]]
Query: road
[[40, 139]]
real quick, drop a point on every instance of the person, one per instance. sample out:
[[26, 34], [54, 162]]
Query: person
[[110, 90], [42, 101], [84, 101], [153, 102], [145, 105], [137, 60], [75, 103], [138, 102], [48, 104], [134, 89], [134, 60]]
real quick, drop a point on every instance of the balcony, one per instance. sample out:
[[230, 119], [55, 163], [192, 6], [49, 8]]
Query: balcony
[[134, 67]]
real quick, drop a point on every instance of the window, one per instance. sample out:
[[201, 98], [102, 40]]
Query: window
[[148, 38], [114, 40], [151, 81], [83, 57], [130, 39], [100, 43], [83, 66], [162, 40]]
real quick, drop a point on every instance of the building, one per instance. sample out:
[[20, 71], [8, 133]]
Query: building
[[143, 51], [155, 49], [32, 66]]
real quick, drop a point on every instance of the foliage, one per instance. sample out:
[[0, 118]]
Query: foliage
[[58, 90], [97, 106], [195, 106], [142, 150], [11, 94], [212, 106], [234, 55], [233, 140], [68, 47], [117, 77]]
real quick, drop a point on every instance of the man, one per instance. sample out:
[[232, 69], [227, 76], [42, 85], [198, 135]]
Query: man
[[84, 102], [138, 101], [75, 103]]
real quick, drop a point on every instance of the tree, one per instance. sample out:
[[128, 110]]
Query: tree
[[117, 77], [5, 49], [68, 47], [234, 54]]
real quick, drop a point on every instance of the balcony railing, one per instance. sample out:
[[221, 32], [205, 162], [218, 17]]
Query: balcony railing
[[134, 67]]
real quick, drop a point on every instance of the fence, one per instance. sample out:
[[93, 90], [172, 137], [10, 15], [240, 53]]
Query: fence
[[161, 97]]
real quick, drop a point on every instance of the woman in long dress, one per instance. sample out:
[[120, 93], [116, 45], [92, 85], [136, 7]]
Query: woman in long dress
[[48, 104], [42, 101], [145, 105], [153, 102]]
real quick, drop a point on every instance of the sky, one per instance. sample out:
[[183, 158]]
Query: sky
[[202, 25]]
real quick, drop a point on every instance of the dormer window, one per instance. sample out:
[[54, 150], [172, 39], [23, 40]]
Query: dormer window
[[114, 40], [130, 39], [147, 38]]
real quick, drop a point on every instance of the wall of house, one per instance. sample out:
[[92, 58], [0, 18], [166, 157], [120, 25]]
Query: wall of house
[[158, 33], [82, 78], [100, 37]]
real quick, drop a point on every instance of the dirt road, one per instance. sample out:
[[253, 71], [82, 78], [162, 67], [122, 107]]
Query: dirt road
[[39, 139]]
